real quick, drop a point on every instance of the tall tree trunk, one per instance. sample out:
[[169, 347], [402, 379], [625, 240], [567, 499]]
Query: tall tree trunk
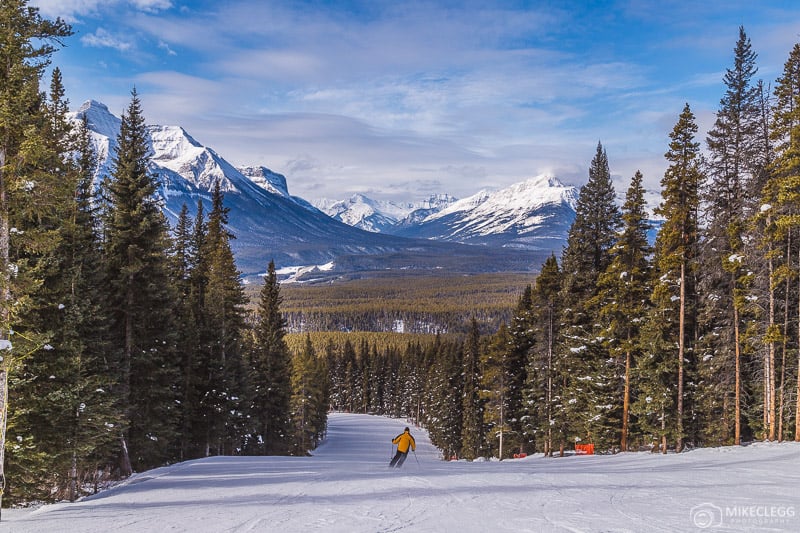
[[126, 457], [126, 377], [797, 397], [769, 356], [626, 400], [681, 351], [737, 431], [5, 317], [549, 442], [784, 348]]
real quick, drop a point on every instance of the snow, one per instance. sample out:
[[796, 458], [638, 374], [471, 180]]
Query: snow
[[266, 179], [377, 215], [515, 203], [347, 487], [290, 274]]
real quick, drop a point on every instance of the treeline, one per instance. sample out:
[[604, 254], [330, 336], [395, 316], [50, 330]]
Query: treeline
[[693, 341], [441, 383], [124, 345], [405, 304]]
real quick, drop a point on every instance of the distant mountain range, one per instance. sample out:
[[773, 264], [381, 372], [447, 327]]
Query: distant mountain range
[[514, 229], [381, 216], [535, 214]]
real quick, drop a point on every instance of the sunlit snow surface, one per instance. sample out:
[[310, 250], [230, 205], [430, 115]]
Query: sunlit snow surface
[[347, 487]]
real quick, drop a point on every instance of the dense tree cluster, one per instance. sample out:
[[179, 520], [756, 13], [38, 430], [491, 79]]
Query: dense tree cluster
[[406, 303], [125, 344], [692, 340]]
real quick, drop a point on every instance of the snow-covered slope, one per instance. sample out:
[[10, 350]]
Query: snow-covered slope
[[533, 214], [347, 487]]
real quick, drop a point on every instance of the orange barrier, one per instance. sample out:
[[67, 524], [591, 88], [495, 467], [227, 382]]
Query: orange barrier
[[520, 455], [584, 449]]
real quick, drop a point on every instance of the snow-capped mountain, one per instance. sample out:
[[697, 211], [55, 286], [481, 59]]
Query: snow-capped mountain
[[380, 216], [269, 223], [534, 214]]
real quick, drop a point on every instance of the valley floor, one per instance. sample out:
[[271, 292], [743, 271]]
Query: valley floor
[[347, 487]]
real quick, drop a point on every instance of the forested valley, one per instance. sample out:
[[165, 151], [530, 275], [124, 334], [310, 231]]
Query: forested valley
[[128, 344]]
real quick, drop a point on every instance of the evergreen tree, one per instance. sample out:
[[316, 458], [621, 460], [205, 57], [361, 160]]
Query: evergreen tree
[[270, 373], [586, 256], [444, 418], [515, 370], [309, 399], [521, 340], [182, 263], [675, 267], [767, 255], [545, 412], [52, 180], [623, 296], [96, 413], [65, 388], [221, 371], [783, 199], [732, 144], [495, 390], [473, 430], [26, 43], [142, 298]]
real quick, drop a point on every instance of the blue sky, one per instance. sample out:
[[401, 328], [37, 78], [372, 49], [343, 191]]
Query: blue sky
[[399, 100]]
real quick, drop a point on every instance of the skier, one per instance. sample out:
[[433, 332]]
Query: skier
[[403, 441]]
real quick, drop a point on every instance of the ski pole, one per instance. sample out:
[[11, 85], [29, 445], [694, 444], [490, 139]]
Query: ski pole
[[415, 457]]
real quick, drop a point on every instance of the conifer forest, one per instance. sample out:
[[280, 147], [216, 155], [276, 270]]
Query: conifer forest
[[128, 344]]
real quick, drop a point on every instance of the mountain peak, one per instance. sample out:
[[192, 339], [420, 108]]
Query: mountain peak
[[100, 119], [266, 179], [531, 214]]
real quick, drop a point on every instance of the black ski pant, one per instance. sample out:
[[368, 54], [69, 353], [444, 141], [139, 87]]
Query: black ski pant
[[398, 459]]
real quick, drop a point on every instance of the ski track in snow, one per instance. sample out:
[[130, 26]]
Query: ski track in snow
[[347, 487]]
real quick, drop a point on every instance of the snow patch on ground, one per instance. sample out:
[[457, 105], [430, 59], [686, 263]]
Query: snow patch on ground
[[292, 274]]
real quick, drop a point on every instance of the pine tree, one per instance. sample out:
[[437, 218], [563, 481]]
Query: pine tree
[[676, 261], [351, 385], [67, 406], [732, 144], [586, 256], [221, 373], [515, 370], [766, 256], [182, 264], [521, 340], [495, 388], [473, 429], [26, 43], [623, 296], [270, 373], [782, 198], [309, 398], [142, 298], [444, 417], [40, 459]]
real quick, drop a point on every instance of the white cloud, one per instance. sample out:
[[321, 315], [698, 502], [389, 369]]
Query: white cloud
[[102, 38], [73, 10], [152, 6], [164, 46], [68, 10]]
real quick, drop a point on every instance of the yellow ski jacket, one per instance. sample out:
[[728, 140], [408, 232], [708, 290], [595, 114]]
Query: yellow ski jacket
[[403, 441]]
